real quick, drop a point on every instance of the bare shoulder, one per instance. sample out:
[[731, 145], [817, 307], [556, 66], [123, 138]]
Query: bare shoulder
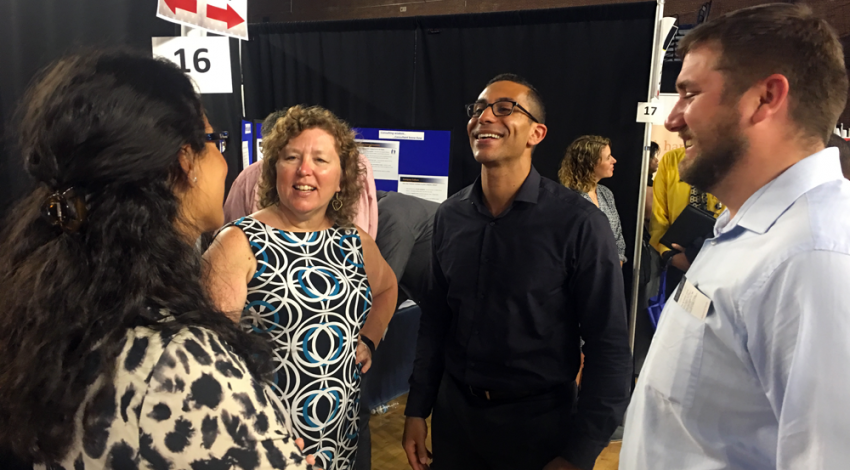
[[364, 235], [231, 243], [232, 238]]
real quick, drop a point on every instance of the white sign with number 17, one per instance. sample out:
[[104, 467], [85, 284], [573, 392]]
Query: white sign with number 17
[[653, 112], [205, 59]]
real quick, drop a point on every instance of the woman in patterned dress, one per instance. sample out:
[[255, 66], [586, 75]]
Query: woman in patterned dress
[[113, 356], [588, 160], [299, 274]]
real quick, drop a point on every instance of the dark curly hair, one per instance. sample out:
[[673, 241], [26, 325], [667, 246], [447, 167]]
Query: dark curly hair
[[580, 160], [110, 125], [297, 120]]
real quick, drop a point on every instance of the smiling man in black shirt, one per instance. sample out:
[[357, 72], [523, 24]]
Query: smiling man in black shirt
[[523, 269]]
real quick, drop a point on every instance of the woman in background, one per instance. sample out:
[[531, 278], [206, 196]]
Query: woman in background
[[112, 354], [300, 275], [588, 160]]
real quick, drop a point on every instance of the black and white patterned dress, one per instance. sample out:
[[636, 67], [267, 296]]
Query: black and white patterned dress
[[182, 401], [309, 297]]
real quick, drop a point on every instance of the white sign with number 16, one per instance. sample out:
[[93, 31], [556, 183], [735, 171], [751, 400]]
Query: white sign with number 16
[[653, 112], [205, 59]]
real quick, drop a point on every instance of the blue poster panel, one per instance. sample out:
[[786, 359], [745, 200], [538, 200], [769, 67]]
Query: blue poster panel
[[408, 161]]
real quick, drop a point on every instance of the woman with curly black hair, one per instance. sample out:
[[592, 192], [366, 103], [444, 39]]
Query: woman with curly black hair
[[112, 354]]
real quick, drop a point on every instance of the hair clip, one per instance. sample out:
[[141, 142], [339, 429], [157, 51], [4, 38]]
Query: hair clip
[[65, 209]]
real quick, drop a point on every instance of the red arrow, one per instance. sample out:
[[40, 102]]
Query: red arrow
[[229, 16], [189, 5]]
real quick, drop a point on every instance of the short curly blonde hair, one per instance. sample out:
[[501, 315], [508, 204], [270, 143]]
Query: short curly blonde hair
[[297, 120], [579, 163]]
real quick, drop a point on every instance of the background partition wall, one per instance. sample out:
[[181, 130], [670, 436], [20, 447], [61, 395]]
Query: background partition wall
[[591, 65]]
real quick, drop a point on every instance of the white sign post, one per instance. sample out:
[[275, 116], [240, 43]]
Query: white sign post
[[205, 59], [227, 17]]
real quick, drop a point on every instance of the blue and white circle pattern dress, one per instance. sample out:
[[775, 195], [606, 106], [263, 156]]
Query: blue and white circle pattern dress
[[309, 298]]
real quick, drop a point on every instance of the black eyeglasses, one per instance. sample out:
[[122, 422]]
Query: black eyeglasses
[[500, 108], [220, 139]]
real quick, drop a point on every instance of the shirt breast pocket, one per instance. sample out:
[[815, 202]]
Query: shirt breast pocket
[[676, 355]]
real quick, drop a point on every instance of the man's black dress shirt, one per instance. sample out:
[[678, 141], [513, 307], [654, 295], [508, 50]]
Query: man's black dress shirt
[[512, 296]]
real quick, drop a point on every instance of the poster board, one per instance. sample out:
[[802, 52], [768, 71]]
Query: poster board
[[410, 162], [247, 144], [258, 142]]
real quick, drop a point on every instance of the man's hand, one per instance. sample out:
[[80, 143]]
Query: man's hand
[[560, 464], [413, 441], [679, 260]]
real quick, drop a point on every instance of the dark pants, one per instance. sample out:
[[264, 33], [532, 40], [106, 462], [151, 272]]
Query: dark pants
[[363, 460], [472, 433]]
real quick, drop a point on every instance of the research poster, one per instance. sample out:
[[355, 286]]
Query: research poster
[[383, 156], [411, 162], [432, 188]]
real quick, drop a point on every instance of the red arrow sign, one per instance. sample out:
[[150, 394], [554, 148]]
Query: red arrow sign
[[189, 5], [229, 16]]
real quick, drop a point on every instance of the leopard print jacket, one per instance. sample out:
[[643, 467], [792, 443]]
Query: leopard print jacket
[[180, 402]]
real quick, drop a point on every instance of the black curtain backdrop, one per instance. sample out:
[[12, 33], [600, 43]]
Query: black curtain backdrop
[[362, 70], [591, 65], [36, 33]]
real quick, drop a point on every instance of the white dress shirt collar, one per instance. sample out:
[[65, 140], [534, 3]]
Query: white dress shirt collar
[[764, 207]]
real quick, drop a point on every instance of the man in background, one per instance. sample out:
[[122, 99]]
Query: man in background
[[670, 197], [242, 199], [746, 368], [405, 224]]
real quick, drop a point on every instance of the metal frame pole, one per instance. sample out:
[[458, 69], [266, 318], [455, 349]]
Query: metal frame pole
[[654, 81]]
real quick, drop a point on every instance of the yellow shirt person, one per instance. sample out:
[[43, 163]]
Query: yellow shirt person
[[670, 197]]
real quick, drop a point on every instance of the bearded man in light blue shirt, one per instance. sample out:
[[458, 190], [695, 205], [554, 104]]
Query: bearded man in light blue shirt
[[749, 366]]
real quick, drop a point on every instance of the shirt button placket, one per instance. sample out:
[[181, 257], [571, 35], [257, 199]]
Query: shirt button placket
[[483, 259]]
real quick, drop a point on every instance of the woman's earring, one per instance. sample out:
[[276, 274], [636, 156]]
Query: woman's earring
[[336, 203], [195, 180]]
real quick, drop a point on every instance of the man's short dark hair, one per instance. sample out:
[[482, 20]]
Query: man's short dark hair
[[843, 152], [271, 119], [653, 149], [538, 109], [786, 39]]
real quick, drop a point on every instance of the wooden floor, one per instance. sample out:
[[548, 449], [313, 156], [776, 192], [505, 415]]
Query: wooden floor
[[387, 453]]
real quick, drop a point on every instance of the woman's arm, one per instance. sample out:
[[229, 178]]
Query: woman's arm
[[384, 297], [230, 264]]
